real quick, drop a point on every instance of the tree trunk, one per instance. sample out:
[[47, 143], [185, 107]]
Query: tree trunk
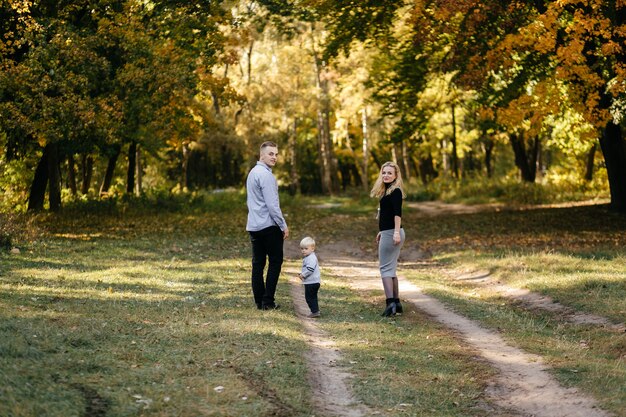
[[328, 165], [138, 172], [488, 146], [37, 193], [541, 164], [250, 61], [394, 154], [71, 174], [405, 161], [468, 164], [325, 163], [86, 173], [108, 174], [591, 156], [184, 175], [365, 150], [455, 158], [525, 160], [376, 159], [427, 169], [416, 167], [130, 172], [614, 150], [397, 155], [294, 186], [445, 157], [54, 177]]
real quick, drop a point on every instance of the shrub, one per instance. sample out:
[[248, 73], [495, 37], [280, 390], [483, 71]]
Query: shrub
[[6, 232], [510, 190]]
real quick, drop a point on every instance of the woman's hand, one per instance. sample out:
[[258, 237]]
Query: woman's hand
[[396, 238]]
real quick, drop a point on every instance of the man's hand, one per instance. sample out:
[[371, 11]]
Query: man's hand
[[285, 233]]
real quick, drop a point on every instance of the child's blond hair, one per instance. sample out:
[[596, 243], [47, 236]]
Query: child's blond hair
[[307, 242]]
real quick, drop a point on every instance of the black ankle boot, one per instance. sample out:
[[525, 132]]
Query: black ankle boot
[[398, 306], [391, 308]]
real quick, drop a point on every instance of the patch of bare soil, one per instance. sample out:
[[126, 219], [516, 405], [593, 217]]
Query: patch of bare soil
[[256, 382], [95, 405], [331, 395]]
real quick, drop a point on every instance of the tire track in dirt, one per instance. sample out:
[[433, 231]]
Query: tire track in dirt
[[332, 395]]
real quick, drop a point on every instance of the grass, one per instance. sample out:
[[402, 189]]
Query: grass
[[144, 333], [144, 308]]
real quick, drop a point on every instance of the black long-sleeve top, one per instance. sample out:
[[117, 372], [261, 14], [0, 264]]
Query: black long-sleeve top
[[390, 206]]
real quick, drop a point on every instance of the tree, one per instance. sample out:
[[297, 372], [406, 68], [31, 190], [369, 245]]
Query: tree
[[85, 78]]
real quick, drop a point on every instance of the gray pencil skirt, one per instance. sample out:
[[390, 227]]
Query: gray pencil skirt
[[388, 253]]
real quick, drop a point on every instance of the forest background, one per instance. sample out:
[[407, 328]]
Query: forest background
[[521, 100]]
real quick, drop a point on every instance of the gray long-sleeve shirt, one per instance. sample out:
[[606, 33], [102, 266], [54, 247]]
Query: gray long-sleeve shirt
[[262, 199], [310, 269]]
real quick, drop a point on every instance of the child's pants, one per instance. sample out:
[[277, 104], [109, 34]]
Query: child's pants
[[310, 295]]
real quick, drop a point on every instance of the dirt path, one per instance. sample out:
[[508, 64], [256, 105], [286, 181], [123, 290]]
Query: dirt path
[[524, 387], [332, 395]]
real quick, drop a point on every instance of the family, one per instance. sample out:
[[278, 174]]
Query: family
[[268, 229]]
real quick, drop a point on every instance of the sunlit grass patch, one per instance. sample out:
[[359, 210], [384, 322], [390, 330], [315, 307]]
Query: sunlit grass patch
[[597, 286]]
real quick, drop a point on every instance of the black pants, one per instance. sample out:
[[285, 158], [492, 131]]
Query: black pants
[[310, 295], [267, 244]]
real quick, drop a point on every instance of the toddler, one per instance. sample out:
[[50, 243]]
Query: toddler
[[310, 275]]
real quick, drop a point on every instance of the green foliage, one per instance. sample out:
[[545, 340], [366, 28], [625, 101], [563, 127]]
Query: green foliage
[[156, 201], [9, 231], [508, 190], [13, 176], [5, 240]]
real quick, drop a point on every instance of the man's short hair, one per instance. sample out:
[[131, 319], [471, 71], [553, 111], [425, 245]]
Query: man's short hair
[[306, 242], [268, 144]]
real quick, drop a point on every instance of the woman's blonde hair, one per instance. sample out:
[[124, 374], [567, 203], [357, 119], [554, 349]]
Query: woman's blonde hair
[[378, 190]]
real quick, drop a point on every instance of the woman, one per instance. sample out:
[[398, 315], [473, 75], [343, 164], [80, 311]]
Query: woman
[[390, 238]]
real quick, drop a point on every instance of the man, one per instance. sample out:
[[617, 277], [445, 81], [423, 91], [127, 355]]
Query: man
[[266, 225]]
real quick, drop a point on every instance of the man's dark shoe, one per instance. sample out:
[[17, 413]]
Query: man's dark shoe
[[270, 307]]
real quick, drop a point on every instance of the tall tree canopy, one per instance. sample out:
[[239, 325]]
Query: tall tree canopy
[[176, 95]]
